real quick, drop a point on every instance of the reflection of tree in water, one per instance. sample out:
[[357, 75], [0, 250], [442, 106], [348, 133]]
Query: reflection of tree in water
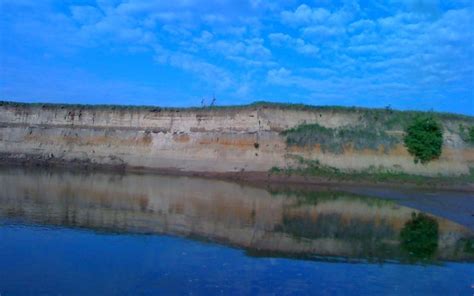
[[356, 236], [419, 237], [300, 222], [468, 245], [334, 225]]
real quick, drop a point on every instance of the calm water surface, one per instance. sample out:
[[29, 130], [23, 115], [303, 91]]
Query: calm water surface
[[107, 234]]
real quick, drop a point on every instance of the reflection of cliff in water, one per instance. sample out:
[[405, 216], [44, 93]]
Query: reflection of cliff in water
[[318, 223]]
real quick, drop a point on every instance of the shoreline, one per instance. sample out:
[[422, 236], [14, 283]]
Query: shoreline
[[254, 178]]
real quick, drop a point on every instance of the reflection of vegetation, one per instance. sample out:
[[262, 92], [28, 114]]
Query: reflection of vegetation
[[304, 225], [334, 226], [313, 168], [367, 238], [419, 236], [362, 226], [313, 197], [424, 139], [469, 245], [334, 139]]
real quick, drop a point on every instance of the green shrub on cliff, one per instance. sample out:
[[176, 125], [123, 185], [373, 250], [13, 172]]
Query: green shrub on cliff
[[334, 139], [424, 139], [467, 133]]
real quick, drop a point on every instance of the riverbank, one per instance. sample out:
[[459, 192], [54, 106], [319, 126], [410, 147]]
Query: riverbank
[[260, 143], [262, 179]]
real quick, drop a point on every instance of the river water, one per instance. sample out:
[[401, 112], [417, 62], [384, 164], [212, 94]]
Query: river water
[[64, 233]]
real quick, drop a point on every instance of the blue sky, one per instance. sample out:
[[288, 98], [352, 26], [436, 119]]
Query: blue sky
[[410, 54]]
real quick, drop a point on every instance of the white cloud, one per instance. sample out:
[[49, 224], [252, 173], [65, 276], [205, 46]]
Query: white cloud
[[86, 15], [320, 23], [279, 76], [304, 15], [410, 47], [323, 31], [279, 38], [217, 77], [319, 71], [298, 44], [361, 25], [205, 37], [139, 24]]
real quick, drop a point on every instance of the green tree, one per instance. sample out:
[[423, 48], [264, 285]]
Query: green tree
[[424, 139]]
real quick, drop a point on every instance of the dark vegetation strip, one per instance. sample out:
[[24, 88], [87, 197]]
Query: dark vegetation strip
[[467, 133], [314, 197], [308, 135], [374, 113], [313, 168]]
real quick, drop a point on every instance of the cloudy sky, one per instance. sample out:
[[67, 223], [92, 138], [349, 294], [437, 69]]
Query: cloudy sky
[[409, 54]]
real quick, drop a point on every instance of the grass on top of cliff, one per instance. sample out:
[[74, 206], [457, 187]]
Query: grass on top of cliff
[[376, 114]]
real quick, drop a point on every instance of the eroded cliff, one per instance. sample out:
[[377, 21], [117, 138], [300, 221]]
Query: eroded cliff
[[225, 139]]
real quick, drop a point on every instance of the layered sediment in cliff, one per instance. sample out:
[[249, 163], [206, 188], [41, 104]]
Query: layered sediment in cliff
[[232, 139]]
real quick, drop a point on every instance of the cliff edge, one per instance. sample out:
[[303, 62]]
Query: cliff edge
[[261, 137]]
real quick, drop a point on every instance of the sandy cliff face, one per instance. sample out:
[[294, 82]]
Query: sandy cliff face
[[205, 140]]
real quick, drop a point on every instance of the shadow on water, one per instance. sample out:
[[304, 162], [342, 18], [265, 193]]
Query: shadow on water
[[321, 224]]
